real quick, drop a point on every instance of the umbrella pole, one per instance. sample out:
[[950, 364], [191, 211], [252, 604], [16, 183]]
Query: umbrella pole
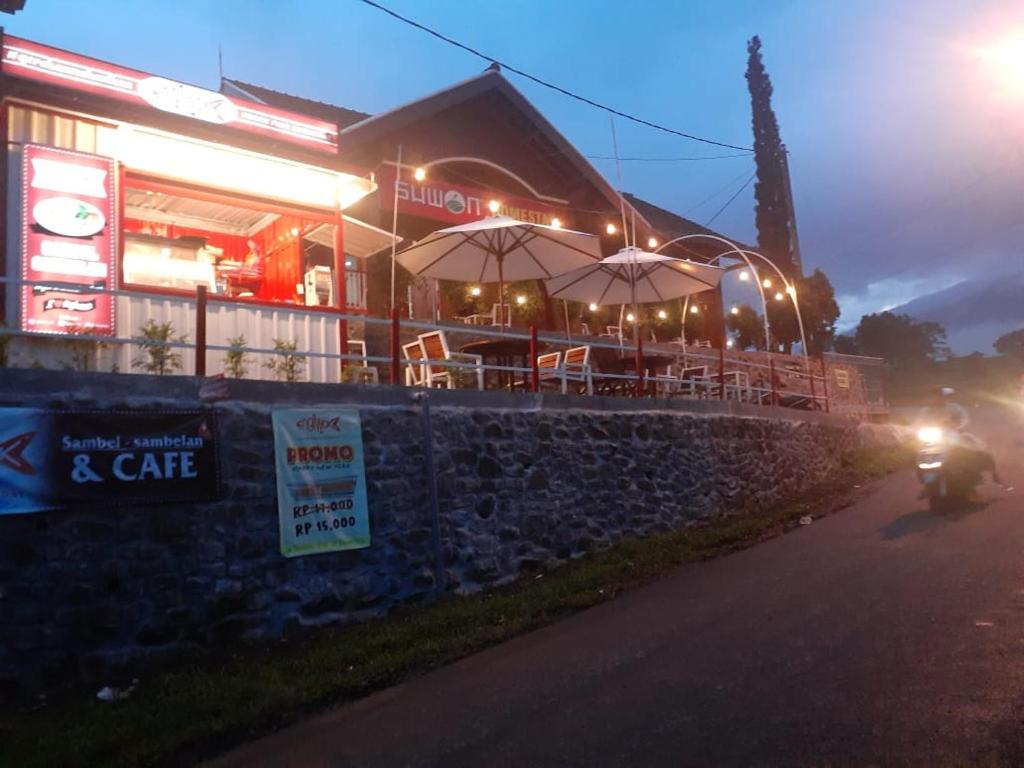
[[501, 292], [568, 330]]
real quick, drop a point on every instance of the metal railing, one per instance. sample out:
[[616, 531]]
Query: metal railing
[[614, 367]]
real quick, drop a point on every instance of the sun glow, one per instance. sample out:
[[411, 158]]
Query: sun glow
[[1004, 60]]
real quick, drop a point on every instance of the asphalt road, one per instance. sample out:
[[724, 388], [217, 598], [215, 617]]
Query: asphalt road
[[882, 635]]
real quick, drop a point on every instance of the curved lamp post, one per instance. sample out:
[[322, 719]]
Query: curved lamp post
[[745, 255]]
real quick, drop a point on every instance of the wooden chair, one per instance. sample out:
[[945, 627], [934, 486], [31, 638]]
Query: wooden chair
[[435, 348], [415, 371], [576, 367], [362, 372], [549, 365]]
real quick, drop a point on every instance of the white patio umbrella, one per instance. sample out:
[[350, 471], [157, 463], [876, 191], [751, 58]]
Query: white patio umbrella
[[500, 249], [633, 276]]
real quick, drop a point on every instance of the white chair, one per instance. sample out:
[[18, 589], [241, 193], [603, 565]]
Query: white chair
[[576, 367], [496, 315], [584, 329], [362, 372], [435, 348], [612, 332], [415, 372]]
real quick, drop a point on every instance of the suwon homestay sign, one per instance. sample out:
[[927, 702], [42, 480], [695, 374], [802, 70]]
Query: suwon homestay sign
[[68, 240], [456, 203], [32, 61], [60, 459]]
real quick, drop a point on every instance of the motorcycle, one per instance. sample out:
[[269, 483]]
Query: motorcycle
[[948, 465]]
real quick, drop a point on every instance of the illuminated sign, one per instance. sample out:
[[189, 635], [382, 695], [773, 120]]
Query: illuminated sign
[[441, 201], [68, 241], [32, 61]]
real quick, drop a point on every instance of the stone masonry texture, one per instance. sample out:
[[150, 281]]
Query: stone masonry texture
[[524, 482]]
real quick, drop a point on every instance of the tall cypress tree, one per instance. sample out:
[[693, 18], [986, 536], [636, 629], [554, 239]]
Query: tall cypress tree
[[772, 209]]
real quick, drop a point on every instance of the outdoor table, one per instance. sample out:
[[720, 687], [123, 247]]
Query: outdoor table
[[621, 366], [504, 352]]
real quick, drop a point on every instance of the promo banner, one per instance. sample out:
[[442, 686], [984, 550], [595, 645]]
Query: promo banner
[[68, 236], [57, 459], [321, 480]]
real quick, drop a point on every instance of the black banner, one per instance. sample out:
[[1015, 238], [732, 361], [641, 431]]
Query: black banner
[[53, 459]]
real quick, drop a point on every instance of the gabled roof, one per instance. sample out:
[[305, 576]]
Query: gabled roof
[[490, 79], [673, 225], [339, 115]]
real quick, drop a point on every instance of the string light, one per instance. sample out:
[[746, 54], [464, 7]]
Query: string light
[[610, 229], [767, 282], [494, 206], [779, 296], [652, 242], [556, 223], [729, 343], [735, 310], [630, 318], [420, 174], [593, 307], [474, 291], [791, 290], [520, 299], [744, 276], [662, 314], [694, 309]]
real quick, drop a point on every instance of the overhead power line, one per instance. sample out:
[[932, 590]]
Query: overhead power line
[[548, 84], [666, 159], [728, 202]]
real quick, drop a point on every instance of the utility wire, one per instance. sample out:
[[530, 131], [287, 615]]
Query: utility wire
[[729, 201], [547, 84], [666, 159], [725, 187]]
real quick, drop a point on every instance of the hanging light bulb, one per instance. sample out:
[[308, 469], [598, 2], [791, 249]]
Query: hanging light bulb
[[791, 290], [630, 318], [767, 282], [729, 343], [652, 243], [779, 295], [610, 229], [520, 299], [662, 314], [694, 309], [420, 174], [474, 291], [593, 307], [494, 206], [556, 223], [735, 310], [744, 276]]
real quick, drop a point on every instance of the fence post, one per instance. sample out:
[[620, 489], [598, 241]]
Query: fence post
[[773, 400], [395, 369], [639, 362], [721, 371], [200, 330], [824, 382], [534, 365], [810, 375], [343, 345]]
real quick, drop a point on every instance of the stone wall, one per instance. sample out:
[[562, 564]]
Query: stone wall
[[523, 480]]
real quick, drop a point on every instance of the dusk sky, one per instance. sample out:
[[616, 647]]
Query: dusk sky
[[904, 119]]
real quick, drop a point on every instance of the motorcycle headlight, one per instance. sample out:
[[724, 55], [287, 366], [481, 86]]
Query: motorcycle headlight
[[929, 435]]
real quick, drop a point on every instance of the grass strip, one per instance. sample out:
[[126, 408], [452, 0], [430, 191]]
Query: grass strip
[[208, 703]]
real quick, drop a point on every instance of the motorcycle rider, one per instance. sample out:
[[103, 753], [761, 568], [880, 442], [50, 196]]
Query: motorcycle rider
[[944, 412]]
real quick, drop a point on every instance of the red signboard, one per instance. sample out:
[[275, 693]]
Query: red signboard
[[23, 58], [68, 240], [455, 203]]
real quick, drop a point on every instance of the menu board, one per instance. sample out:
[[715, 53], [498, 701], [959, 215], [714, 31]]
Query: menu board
[[69, 237]]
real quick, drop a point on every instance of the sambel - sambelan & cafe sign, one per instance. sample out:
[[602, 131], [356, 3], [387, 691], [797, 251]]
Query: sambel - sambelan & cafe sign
[[32, 61], [68, 238], [456, 203]]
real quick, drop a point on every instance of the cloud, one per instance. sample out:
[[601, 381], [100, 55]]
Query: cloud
[[888, 293]]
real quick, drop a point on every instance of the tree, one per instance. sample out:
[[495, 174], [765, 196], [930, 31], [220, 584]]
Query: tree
[[1011, 344], [772, 207], [748, 326], [818, 309], [845, 344], [899, 338]]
